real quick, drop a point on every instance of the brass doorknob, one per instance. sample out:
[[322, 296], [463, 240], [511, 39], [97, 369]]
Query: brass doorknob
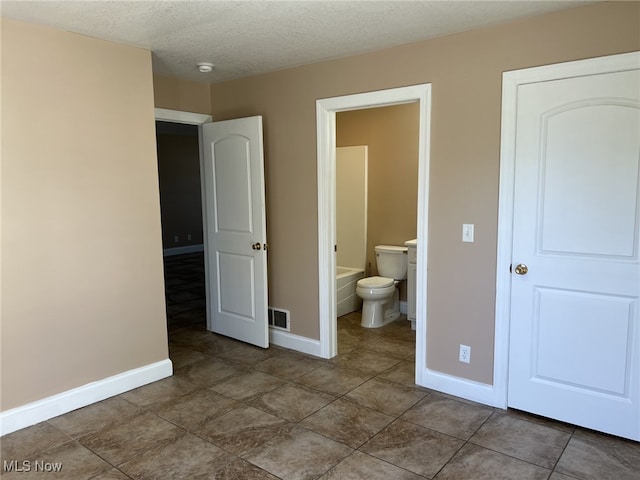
[[521, 269], [256, 246]]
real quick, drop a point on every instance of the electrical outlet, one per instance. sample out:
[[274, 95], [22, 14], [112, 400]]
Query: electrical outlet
[[465, 354], [176, 239], [188, 236]]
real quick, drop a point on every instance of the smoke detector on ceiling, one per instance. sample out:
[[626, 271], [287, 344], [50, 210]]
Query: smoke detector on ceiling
[[205, 67]]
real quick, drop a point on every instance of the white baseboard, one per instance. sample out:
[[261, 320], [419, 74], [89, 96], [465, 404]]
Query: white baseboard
[[168, 252], [460, 387], [294, 342], [41, 410]]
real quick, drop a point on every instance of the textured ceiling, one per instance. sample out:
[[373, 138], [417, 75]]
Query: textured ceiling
[[244, 38]]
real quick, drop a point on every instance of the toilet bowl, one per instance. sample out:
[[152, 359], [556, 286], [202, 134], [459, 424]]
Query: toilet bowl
[[380, 295]]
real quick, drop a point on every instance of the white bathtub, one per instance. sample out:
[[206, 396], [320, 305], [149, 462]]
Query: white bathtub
[[346, 298]]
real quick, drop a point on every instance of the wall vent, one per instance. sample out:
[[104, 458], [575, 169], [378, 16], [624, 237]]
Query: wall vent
[[279, 318]]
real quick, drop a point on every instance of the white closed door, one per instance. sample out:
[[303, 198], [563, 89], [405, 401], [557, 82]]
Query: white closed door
[[235, 247], [574, 325]]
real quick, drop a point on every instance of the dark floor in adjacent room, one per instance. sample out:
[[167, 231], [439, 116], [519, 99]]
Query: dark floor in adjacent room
[[234, 411]]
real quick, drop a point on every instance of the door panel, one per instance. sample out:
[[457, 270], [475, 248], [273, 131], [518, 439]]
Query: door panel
[[574, 330], [232, 171], [236, 227]]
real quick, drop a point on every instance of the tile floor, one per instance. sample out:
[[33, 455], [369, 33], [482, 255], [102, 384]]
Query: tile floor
[[233, 411]]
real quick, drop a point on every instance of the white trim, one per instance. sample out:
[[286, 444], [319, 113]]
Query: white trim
[[177, 116], [461, 387], [326, 137], [288, 340], [168, 252], [510, 83], [41, 410]]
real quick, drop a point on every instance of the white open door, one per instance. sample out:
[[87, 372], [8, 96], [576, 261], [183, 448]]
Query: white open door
[[574, 320], [235, 222]]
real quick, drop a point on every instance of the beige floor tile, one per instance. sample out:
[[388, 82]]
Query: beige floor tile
[[559, 476], [392, 347], [113, 474], [70, 461], [242, 429], [530, 417], [245, 354], [334, 380], [208, 371], [194, 410], [159, 392], [477, 463], [182, 356], [23, 444], [590, 455], [524, 440], [386, 397], [448, 416], [241, 470], [364, 361], [403, 372], [358, 466], [289, 365], [246, 385], [125, 441], [347, 422], [299, 454], [357, 335], [413, 448], [187, 457], [95, 417], [292, 402]]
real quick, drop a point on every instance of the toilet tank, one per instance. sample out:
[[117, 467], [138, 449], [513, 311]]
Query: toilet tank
[[391, 261]]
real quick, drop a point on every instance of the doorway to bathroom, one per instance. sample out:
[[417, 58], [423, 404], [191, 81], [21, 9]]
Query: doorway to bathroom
[[376, 204], [327, 111]]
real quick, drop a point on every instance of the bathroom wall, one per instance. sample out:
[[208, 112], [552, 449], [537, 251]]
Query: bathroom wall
[[392, 136], [351, 206]]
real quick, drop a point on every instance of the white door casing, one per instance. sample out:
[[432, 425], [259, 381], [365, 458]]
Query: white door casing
[[326, 141], [569, 185], [235, 245]]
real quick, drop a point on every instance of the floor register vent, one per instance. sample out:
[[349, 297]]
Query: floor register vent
[[279, 318]]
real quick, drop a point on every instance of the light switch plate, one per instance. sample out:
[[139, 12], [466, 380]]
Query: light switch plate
[[467, 232]]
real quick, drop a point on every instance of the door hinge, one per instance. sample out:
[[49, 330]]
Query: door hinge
[[335, 248]]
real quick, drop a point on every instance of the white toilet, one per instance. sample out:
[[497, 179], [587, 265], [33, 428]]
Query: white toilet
[[380, 294]]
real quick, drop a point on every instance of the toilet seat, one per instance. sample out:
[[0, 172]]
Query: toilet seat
[[375, 282]]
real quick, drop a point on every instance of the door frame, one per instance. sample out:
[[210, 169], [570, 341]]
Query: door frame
[[192, 118], [326, 110], [511, 80]]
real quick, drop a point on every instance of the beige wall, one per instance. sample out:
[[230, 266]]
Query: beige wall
[[82, 281], [465, 72], [391, 133], [183, 95]]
